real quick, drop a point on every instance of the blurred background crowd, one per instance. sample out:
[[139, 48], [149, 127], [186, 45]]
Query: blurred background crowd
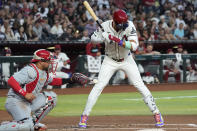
[[32, 20]]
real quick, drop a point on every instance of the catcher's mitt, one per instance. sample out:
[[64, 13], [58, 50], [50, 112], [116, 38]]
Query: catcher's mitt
[[80, 78]]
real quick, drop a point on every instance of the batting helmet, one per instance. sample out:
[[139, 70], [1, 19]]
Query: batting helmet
[[41, 55], [121, 19]]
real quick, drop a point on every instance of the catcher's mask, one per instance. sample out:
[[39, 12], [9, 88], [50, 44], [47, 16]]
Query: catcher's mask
[[44, 56], [53, 65], [120, 19]]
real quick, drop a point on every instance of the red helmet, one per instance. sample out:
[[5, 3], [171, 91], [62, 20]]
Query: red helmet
[[41, 54], [120, 17]]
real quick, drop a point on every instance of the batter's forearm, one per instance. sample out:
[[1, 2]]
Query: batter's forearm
[[131, 45], [16, 86]]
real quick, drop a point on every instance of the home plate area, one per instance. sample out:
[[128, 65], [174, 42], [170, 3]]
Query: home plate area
[[132, 127]]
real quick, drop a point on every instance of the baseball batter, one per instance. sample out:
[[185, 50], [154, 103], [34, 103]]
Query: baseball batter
[[120, 39], [25, 102]]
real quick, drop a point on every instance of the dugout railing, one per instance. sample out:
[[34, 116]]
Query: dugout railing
[[20, 61]]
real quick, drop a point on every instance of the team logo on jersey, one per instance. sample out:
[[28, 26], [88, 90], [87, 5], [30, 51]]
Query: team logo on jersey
[[42, 79], [133, 31]]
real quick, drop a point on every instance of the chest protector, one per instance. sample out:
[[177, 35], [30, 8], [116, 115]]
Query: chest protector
[[32, 85]]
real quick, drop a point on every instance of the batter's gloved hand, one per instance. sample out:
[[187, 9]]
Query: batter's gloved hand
[[115, 39], [105, 36], [80, 78]]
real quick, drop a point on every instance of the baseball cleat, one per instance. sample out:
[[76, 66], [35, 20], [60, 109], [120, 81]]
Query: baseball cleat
[[159, 120], [83, 121], [40, 127]]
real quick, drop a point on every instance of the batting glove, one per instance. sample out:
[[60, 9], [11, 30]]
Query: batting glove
[[115, 39]]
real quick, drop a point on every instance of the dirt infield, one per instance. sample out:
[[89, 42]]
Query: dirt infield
[[119, 123]]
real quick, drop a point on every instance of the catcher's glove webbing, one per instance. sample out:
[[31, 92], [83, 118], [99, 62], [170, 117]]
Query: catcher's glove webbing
[[80, 78]]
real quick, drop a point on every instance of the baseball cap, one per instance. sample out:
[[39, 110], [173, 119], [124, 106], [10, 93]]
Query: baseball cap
[[169, 50], [7, 50], [180, 46], [57, 47]]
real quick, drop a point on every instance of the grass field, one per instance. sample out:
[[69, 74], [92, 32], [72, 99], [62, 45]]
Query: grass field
[[169, 103]]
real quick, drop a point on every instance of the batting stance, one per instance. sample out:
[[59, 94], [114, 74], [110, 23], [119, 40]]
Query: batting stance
[[25, 102], [120, 38]]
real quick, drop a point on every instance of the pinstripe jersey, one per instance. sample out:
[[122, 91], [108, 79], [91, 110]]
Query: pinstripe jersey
[[112, 49], [27, 75]]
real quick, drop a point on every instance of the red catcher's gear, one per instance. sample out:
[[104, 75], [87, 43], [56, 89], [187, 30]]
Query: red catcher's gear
[[16, 86], [120, 17], [41, 54]]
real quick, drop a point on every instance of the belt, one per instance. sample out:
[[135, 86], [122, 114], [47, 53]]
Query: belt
[[118, 60]]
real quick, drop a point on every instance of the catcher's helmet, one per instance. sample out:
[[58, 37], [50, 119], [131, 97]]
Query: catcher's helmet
[[41, 55], [121, 19]]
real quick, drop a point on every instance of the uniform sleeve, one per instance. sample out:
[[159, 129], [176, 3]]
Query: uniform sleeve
[[25, 75], [64, 57], [97, 37], [132, 36], [22, 77]]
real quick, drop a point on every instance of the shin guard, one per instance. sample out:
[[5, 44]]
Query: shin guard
[[51, 99]]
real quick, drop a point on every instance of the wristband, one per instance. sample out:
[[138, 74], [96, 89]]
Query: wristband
[[128, 45]]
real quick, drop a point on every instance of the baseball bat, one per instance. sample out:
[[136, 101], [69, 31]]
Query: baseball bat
[[90, 10]]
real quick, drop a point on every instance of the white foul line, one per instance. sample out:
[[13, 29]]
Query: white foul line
[[176, 97], [192, 125]]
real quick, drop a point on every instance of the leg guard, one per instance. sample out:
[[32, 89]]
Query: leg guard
[[149, 100], [23, 125], [51, 99]]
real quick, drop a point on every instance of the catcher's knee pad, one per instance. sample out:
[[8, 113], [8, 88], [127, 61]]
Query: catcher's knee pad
[[51, 99], [23, 125]]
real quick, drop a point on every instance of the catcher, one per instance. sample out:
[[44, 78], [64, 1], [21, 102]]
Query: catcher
[[25, 102]]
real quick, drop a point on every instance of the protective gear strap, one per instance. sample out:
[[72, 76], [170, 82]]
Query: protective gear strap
[[16, 86], [32, 85]]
